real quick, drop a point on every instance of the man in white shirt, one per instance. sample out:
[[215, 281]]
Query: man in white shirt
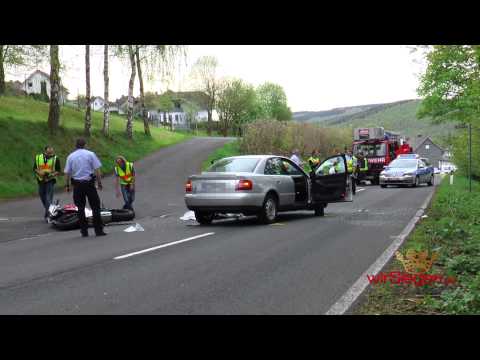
[[82, 168], [296, 157]]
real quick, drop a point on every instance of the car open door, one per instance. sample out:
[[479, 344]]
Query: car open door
[[331, 181]]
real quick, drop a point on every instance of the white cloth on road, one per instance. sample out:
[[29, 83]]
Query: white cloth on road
[[136, 227], [189, 215]]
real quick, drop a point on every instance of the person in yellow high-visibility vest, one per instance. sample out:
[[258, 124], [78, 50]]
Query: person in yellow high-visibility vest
[[125, 181], [46, 167], [351, 168], [314, 160], [362, 167]]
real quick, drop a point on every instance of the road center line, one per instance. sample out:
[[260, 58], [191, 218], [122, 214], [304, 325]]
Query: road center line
[[162, 246]]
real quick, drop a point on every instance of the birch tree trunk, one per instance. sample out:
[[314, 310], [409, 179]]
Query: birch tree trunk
[[131, 55], [54, 111], [2, 71], [106, 112], [88, 115], [146, 126], [209, 122]]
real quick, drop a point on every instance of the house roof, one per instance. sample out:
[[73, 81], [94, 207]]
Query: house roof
[[39, 72], [44, 74], [420, 140]]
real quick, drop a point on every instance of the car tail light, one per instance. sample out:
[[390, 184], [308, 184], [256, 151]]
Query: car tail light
[[188, 186], [244, 185]]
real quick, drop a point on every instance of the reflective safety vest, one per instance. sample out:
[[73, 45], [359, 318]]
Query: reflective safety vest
[[313, 161], [351, 163], [126, 177], [365, 165], [46, 166]]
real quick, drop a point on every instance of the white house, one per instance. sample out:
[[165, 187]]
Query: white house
[[97, 103], [178, 117], [33, 85]]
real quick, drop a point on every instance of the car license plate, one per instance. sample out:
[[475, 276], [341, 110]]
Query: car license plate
[[212, 188]]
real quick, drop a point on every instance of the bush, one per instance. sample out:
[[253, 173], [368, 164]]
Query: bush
[[460, 152], [280, 138]]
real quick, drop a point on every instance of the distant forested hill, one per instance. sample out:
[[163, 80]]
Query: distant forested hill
[[397, 116]]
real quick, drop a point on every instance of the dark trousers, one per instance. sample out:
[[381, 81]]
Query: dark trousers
[[81, 191], [361, 176], [128, 196], [45, 190]]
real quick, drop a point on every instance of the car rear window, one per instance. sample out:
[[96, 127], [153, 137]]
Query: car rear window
[[234, 165]]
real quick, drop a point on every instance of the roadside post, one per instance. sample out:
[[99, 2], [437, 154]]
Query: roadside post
[[451, 179], [470, 155]]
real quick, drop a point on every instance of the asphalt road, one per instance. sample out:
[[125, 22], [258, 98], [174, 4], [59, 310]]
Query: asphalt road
[[300, 265]]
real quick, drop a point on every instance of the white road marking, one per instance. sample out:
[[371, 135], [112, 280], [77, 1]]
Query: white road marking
[[162, 246], [350, 297], [360, 189]]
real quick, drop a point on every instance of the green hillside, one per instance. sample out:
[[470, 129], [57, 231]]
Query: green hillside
[[24, 133], [399, 116]]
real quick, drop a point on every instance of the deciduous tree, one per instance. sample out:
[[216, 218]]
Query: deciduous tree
[[156, 60], [54, 111], [450, 88], [88, 114], [235, 102], [272, 102], [106, 111], [131, 55], [204, 75]]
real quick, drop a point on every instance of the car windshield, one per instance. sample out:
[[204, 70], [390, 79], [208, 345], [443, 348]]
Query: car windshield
[[370, 149], [403, 164], [234, 165]]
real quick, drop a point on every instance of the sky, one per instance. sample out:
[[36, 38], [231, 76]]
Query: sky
[[314, 77]]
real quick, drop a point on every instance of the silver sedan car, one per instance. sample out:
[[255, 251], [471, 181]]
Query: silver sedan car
[[263, 185]]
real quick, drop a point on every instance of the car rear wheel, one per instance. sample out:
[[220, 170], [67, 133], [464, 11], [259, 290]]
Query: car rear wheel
[[268, 214], [432, 180], [204, 218]]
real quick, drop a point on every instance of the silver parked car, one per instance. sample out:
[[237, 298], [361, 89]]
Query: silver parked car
[[263, 185]]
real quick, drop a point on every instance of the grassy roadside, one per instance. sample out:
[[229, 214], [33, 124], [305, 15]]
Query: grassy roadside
[[24, 133], [452, 229], [229, 149]]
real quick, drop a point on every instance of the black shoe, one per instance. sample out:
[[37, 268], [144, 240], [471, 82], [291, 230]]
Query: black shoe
[[103, 233], [84, 234]]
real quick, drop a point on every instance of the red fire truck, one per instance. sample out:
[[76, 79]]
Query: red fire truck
[[380, 147]]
